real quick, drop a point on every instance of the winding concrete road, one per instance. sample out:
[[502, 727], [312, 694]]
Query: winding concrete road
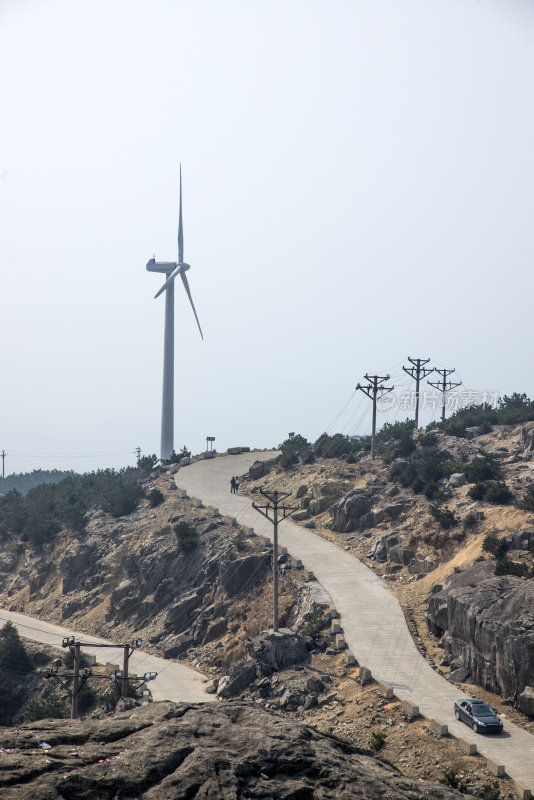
[[174, 681], [373, 622]]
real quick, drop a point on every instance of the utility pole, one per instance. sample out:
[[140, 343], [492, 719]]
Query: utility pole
[[418, 371], [79, 676], [444, 386], [76, 681], [4, 454], [137, 452], [371, 390], [275, 497]]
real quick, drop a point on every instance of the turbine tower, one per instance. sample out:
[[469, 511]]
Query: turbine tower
[[171, 269]]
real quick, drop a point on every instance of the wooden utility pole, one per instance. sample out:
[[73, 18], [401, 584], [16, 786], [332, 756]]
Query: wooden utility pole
[[371, 390], [444, 386], [418, 371], [275, 497]]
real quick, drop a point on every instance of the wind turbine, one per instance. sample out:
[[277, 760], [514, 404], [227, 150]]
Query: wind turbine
[[171, 269]]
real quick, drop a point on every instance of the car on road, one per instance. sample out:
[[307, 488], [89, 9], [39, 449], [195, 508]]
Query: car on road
[[479, 715]]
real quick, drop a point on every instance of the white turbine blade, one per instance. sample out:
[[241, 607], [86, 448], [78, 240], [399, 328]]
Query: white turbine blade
[[180, 226], [169, 280], [186, 287]]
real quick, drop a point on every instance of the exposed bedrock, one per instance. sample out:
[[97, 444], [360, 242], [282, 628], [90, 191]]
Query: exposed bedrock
[[487, 627]]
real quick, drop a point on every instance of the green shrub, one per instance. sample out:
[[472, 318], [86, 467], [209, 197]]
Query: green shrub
[[86, 698], [122, 500], [314, 622], [492, 544], [497, 493], [446, 518], [187, 537], [336, 446], [507, 567], [489, 791], [147, 463], [470, 519], [477, 491], [41, 529], [288, 460], [527, 501], [294, 449], [155, 498], [377, 741], [483, 468], [50, 708], [13, 655]]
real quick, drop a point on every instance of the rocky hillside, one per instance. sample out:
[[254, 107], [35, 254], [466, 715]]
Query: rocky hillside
[[418, 517], [176, 752]]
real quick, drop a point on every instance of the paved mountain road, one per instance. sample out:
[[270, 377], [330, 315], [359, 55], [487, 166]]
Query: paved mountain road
[[372, 619], [174, 682]]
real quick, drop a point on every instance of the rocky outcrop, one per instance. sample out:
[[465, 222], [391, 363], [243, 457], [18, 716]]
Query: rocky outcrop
[[242, 571], [487, 627], [217, 751], [351, 513]]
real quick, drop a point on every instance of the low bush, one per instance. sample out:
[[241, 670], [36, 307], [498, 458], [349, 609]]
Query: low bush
[[86, 698], [470, 519], [122, 500], [507, 567], [483, 468], [492, 544], [49, 708], [187, 537], [446, 518], [527, 501], [495, 492], [377, 741], [155, 498]]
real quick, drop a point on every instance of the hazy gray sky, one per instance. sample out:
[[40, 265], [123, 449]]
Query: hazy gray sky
[[358, 187]]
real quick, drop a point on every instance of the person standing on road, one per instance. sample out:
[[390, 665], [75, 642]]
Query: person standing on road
[[236, 481], [232, 485]]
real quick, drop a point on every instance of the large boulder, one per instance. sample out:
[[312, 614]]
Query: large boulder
[[274, 651], [239, 678], [489, 625], [525, 701], [348, 513]]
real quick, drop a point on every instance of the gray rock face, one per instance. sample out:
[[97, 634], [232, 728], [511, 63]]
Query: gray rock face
[[348, 512], [456, 480], [177, 646], [234, 577], [261, 468], [240, 677], [217, 751], [489, 625]]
